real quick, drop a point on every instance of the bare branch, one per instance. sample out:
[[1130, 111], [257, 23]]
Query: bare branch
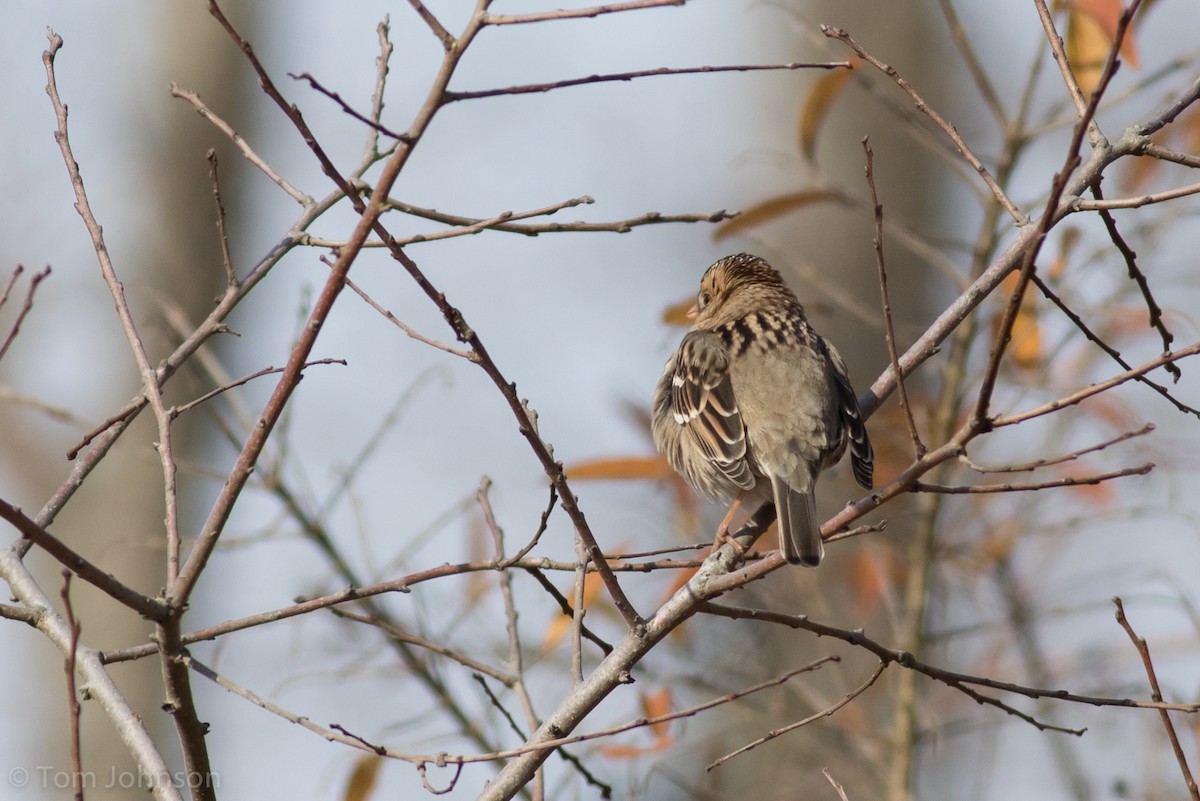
[[533, 229], [336, 98], [1069, 481], [241, 144], [1095, 389], [824, 713], [1112, 352], [73, 706], [889, 329], [1067, 457], [997, 191], [222, 234], [30, 530], [150, 385], [577, 13], [176, 411], [1144, 651], [25, 308], [443, 35], [534, 88], [1139, 278], [1100, 204]]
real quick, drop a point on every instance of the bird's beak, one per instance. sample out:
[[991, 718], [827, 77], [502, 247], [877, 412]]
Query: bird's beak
[[692, 312]]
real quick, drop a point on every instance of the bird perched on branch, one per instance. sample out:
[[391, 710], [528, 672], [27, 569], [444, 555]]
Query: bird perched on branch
[[754, 403]]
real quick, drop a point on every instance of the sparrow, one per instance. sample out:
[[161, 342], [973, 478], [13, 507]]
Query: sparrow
[[754, 403]]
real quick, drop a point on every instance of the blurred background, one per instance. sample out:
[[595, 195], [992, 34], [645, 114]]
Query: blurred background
[[387, 453]]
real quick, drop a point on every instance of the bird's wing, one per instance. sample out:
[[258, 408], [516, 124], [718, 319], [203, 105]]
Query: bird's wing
[[702, 401], [862, 457]]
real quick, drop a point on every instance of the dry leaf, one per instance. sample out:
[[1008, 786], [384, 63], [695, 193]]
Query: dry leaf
[[561, 623], [1091, 30], [655, 705], [677, 313], [363, 778], [817, 104], [621, 468], [1066, 244], [1025, 347], [772, 208]]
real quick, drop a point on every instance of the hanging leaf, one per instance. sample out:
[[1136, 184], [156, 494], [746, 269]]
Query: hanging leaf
[[771, 209], [363, 778], [816, 106]]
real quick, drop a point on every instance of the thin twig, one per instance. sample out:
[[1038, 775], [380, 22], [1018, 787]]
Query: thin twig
[[1100, 204], [1069, 481], [889, 328], [407, 329], [74, 708], [577, 13], [222, 234], [375, 125], [149, 375], [443, 35], [1050, 215], [1111, 351], [1061, 58], [516, 656], [978, 73], [25, 308], [824, 713], [959, 681], [836, 787], [1156, 693], [1139, 278], [534, 88], [176, 411], [997, 191], [534, 229], [1095, 389], [102, 580], [241, 144], [1026, 467]]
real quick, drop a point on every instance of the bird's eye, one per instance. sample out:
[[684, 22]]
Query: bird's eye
[[702, 300]]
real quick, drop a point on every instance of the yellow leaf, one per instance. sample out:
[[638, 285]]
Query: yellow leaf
[[772, 208], [816, 106], [363, 778]]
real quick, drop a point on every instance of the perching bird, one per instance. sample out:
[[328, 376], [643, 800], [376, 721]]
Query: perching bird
[[754, 403]]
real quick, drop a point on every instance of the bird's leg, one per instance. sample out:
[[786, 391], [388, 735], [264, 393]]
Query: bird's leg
[[723, 535]]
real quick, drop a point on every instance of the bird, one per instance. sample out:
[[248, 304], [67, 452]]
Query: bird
[[754, 403]]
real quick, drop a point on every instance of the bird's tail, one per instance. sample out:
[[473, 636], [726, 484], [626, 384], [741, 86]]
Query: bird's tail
[[799, 529]]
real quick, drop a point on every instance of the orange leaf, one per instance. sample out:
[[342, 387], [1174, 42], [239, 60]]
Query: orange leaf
[[677, 313], [561, 623], [363, 778], [1091, 30], [623, 468], [1025, 348], [633, 751], [816, 106], [772, 208], [655, 705]]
